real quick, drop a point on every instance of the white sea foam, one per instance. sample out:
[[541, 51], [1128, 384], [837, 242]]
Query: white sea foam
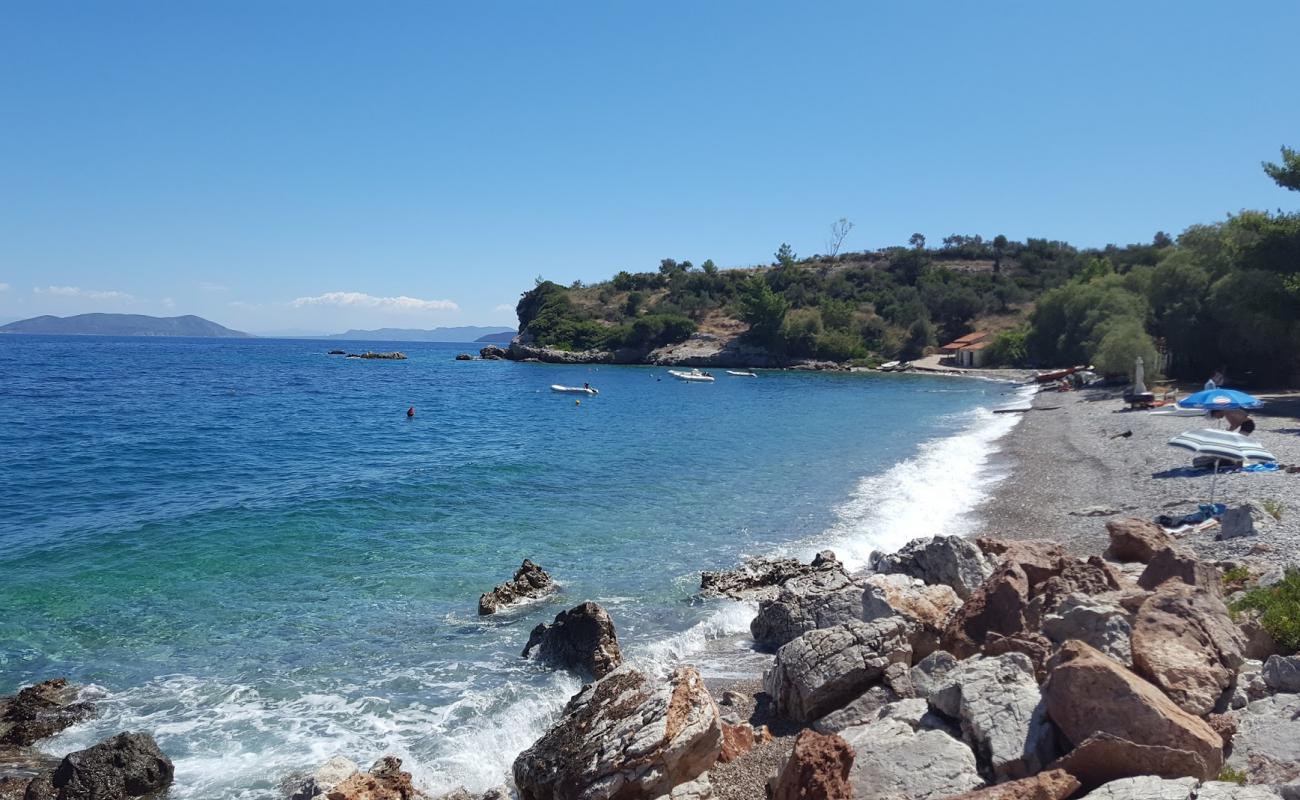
[[728, 619]]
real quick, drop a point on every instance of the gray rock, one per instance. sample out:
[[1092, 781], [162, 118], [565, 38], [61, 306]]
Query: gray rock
[[582, 639], [821, 599], [948, 560], [862, 711], [699, 789], [760, 578], [1146, 787], [929, 673], [897, 760], [1002, 714], [325, 778], [123, 766], [1236, 523], [1091, 619], [530, 581], [625, 735], [1282, 673], [1221, 790], [824, 670], [927, 608], [39, 711], [1249, 685], [1266, 746]]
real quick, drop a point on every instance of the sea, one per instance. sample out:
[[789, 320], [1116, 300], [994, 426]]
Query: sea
[[248, 549]]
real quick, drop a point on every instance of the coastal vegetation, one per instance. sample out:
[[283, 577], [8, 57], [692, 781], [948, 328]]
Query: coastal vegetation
[[1278, 607], [1221, 293]]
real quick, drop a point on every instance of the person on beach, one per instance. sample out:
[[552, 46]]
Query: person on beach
[[1214, 381], [1237, 419]]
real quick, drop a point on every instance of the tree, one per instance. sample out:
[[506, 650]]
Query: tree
[[763, 310], [1162, 240], [839, 230], [800, 330], [917, 241], [709, 267], [999, 250], [785, 256], [920, 335], [1286, 174], [1119, 349], [668, 266]]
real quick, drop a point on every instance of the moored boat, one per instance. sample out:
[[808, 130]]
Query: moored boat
[[742, 373], [694, 376], [555, 387]]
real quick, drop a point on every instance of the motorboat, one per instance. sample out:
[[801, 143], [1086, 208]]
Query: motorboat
[[895, 366], [693, 376], [742, 373], [555, 387]]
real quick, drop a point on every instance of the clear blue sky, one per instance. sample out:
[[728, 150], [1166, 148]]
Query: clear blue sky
[[230, 158]]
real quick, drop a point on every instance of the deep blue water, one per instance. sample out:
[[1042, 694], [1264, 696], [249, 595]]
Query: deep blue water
[[245, 546]]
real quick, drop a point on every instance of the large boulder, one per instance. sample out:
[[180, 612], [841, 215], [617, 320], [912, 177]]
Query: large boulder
[[897, 758], [895, 685], [1055, 784], [39, 711], [1035, 646], [1088, 693], [493, 353], [1103, 757], [1092, 619], [1266, 746], [1184, 642], [384, 781], [760, 578], [1092, 576], [1040, 559], [1177, 563], [1134, 539], [581, 639], [947, 560], [817, 769], [625, 736], [530, 581], [1282, 673], [826, 669], [996, 606], [926, 607], [823, 598], [1146, 787], [1002, 714], [930, 672], [123, 766]]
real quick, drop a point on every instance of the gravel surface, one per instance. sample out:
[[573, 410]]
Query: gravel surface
[[746, 777], [1090, 459]]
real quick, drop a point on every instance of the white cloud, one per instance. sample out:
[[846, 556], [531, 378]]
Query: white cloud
[[168, 303], [504, 307], [209, 286], [4, 287], [363, 300], [77, 291]]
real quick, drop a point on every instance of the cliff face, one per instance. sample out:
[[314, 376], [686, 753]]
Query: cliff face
[[700, 350]]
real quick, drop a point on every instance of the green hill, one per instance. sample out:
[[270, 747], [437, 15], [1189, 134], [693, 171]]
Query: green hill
[[121, 325]]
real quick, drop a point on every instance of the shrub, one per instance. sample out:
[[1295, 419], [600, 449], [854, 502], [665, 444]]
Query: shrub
[[1125, 340], [800, 331], [1009, 349], [840, 346], [1273, 508], [1279, 609], [1230, 775]]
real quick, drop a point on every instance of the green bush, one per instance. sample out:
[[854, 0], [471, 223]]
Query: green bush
[[1009, 349], [1124, 341], [800, 331], [763, 310], [1279, 609], [840, 346]]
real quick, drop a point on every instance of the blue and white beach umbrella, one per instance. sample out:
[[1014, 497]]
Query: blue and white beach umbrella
[[1220, 400], [1221, 446]]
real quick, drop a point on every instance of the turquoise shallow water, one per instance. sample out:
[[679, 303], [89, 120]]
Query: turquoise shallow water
[[246, 548]]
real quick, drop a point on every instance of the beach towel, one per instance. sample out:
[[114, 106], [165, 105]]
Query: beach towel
[[1267, 466]]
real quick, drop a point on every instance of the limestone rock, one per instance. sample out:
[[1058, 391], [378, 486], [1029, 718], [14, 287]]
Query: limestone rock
[[1249, 685], [1039, 558], [946, 560], [384, 781], [760, 578], [1282, 673], [821, 599], [1266, 746], [1136, 540], [1091, 619], [818, 769], [123, 766], [582, 639], [996, 606], [825, 669], [1055, 784], [897, 760], [1103, 758], [492, 353], [624, 736], [325, 778], [530, 581], [926, 607], [1037, 647], [1222, 790], [1002, 714], [39, 711], [1184, 643], [1147, 787], [1089, 693], [1176, 563], [930, 672], [1236, 523]]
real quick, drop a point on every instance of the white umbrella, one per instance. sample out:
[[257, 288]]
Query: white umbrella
[[1139, 376], [1221, 446]]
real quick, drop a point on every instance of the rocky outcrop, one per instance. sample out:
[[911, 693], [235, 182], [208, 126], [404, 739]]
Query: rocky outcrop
[[123, 766], [1040, 559], [1282, 673], [530, 581], [519, 351], [996, 606], [1266, 747], [393, 356], [826, 669], [895, 685], [1002, 714], [1088, 693], [1176, 563], [817, 769], [39, 711], [324, 779], [1136, 540], [710, 350], [760, 578], [1184, 643], [493, 353], [943, 560], [927, 608], [823, 598], [626, 737], [384, 781], [1091, 619], [464, 357], [581, 639], [1054, 784], [900, 758]]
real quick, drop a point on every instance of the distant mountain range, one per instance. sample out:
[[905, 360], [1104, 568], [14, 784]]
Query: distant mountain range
[[122, 325], [497, 338], [467, 333]]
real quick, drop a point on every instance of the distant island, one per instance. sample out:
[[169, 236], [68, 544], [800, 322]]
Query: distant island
[[466, 333], [122, 325], [497, 338]]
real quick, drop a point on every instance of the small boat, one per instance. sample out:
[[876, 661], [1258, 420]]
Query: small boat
[[694, 376], [742, 373], [889, 366], [555, 387]]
